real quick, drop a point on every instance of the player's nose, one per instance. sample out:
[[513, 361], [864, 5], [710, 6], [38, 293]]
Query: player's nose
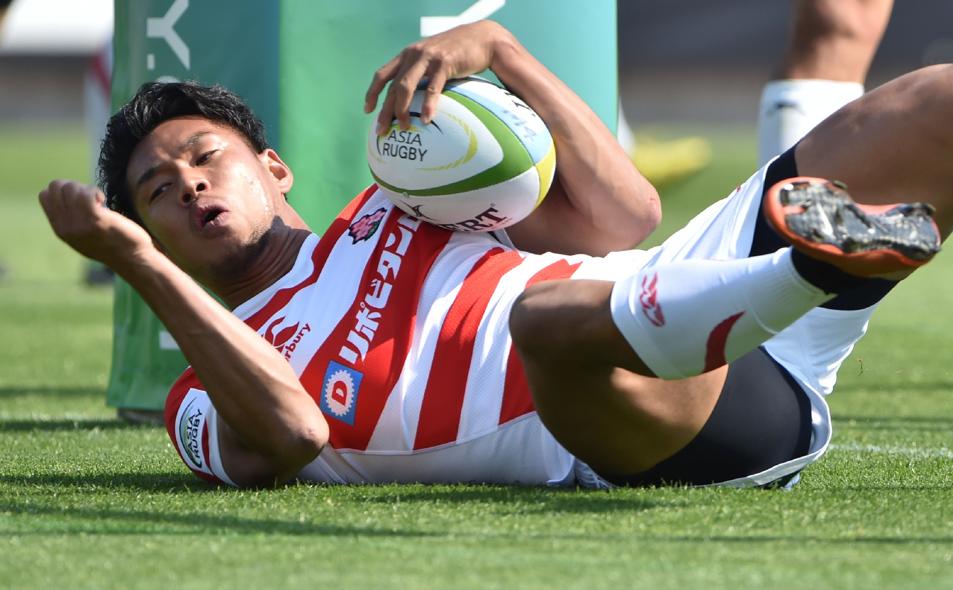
[[192, 187]]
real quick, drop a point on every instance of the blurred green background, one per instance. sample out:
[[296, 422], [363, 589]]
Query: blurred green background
[[87, 501]]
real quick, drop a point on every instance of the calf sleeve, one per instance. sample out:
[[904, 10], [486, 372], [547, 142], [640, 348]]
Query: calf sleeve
[[688, 317]]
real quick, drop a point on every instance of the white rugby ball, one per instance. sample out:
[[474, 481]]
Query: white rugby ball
[[484, 162]]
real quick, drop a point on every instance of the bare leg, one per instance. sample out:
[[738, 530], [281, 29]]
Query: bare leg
[[594, 392], [592, 350], [835, 39], [617, 420], [894, 144], [830, 47], [599, 398]]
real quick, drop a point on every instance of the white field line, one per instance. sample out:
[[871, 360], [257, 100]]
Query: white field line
[[914, 452]]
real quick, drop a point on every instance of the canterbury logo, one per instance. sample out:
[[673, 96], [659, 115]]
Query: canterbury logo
[[648, 299], [279, 339]]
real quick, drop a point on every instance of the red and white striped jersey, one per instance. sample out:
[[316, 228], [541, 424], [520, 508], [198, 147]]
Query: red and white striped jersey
[[399, 331]]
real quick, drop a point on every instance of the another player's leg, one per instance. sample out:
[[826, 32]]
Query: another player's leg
[[829, 51]]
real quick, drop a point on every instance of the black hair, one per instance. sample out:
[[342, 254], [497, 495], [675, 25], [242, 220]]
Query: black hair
[[153, 104]]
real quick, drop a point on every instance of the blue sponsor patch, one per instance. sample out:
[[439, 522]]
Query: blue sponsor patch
[[339, 392]]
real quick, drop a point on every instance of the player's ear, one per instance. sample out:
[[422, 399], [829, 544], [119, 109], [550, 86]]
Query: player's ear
[[280, 171]]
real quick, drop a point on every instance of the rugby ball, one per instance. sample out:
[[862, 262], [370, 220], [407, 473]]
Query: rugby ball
[[484, 162]]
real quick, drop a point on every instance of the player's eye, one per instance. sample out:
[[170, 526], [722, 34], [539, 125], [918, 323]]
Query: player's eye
[[204, 157], [158, 191]]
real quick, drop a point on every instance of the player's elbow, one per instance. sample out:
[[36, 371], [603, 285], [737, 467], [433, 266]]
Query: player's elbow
[[277, 455], [304, 445], [298, 445], [632, 221], [645, 214], [284, 464], [649, 218]]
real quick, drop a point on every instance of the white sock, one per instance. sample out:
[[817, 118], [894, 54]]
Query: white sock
[[791, 108], [688, 317], [623, 133]]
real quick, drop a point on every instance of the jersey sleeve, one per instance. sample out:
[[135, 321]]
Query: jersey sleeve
[[192, 424]]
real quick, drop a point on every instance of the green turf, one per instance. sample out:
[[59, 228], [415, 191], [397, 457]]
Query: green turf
[[87, 502]]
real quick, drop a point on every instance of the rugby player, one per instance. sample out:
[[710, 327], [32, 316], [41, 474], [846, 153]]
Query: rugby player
[[391, 350]]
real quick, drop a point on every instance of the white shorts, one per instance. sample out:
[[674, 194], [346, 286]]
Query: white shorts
[[811, 350]]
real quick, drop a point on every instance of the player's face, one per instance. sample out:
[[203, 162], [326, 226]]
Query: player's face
[[203, 193]]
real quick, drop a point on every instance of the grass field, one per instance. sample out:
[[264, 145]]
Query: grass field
[[88, 502]]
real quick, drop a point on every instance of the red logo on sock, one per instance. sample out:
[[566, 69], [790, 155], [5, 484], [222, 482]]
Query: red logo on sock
[[648, 299], [717, 340]]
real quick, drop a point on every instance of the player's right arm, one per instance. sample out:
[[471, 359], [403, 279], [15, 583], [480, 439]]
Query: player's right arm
[[598, 203], [269, 427]]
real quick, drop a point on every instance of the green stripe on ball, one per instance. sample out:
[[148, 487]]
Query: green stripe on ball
[[516, 159]]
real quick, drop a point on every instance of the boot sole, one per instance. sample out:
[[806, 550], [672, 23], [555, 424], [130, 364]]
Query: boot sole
[[820, 219]]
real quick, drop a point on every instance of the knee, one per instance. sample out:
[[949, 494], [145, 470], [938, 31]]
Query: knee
[[939, 78], [559, 320], [528, 319], [926, 97]]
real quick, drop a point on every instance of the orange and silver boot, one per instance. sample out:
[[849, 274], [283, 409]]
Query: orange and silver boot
[[820, 219]]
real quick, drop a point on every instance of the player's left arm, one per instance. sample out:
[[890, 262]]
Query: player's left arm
[[599, 201]]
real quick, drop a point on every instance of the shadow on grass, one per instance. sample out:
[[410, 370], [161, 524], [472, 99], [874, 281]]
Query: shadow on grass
[[116, 521], [66, 424], [208, 518], [122, 521], [11, 390], [898, 488], [920, 423], [527, 500], [795, 538], [173, 483], [887, 384]]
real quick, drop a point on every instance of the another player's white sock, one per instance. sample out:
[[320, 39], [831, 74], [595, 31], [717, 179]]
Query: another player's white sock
[[688, 317], [791, 108], [623, 132]]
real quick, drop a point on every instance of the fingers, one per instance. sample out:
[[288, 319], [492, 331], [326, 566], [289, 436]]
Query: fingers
[[405, 73], [395, 106], [386, 115], [46, 202], [438, 79], [381, 77], [464, 50], [389, 71], [67, 203], [404, 85], [53, 199], [78, 217]]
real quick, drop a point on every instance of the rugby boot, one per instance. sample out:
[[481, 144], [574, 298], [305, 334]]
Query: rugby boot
[[819, 219]]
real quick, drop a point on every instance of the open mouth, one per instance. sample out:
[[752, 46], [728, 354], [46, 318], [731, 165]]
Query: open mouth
[[206, 216], [210, 216]]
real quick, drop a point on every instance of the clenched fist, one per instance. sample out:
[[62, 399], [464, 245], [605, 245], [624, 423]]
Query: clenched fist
[[79, 216]]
